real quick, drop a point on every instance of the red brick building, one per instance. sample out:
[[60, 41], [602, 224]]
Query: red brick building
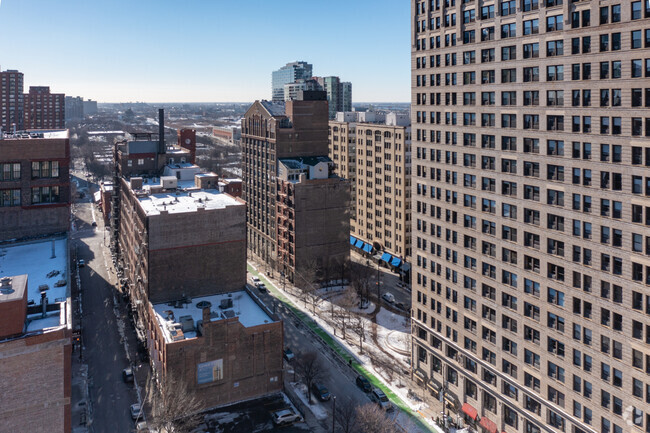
[[34, 184], [44, 110]]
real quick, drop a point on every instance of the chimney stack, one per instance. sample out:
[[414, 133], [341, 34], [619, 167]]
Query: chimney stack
[[161, 131], [44, 304]]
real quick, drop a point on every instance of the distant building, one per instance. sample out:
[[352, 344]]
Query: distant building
[[339, 94], [44, 110], [74, 108], [290, 73], [273, 132], [34, 184], [227, 134], [12, 107], [90, 107], [35, 337], [381, 216]]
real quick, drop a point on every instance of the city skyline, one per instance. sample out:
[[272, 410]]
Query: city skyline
[[143, 52]]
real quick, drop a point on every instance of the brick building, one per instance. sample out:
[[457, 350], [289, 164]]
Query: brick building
[[376, 157], [35, 337], [34, 184], [271, 132], [44, 110], [531, 298], [11, 101], [312, 228]]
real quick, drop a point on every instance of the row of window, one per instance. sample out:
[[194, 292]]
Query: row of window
[[43, 194]]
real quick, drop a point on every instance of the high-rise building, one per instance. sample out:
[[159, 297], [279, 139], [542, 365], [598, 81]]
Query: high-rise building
[[44, 110], [293, 135], [289, 73], [11, 100], [339, 94], [381, 199], [74, 108], [530, 300]]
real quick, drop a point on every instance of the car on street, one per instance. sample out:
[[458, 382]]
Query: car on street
[[285, 416], [81, 263], [261, 287], [388, 297], [136, 411], [256, 281], [127, 375], [363, 384], [378, 396], [94, 224], [320, 391], [288, 354], [400, 305], [142, 427]]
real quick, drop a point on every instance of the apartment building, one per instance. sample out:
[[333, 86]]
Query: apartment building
[[11, 100], [43, 109], [272, 132], [530, 300], [34, 184], [376, 157]]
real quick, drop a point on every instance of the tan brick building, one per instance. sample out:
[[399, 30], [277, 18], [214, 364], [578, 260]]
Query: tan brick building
[[530, 301], [376, 157], [34, 184], [271, 132], [44, 110]]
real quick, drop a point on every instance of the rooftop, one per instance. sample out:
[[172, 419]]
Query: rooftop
[[31, 135], [274, 108], [184, 320], [35, 259], [186, 201]]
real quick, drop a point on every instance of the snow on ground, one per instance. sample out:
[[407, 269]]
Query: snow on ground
[[315, 407]]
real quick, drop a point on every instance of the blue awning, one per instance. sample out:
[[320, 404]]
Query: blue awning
[[359, 244], [396, 261], [386, 257], [367, 248], [353, 240]]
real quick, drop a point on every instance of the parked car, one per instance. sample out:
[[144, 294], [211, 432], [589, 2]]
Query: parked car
[[378, 396], [261, 287], [136, 411], [81, 263], [127, 375], [142, 427], [285, 416], [256, 281], [364, 384], [401, 305], [321, 391], [288, 354], [388, 297]]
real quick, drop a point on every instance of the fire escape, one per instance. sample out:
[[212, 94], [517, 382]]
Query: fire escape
[[286, 227]]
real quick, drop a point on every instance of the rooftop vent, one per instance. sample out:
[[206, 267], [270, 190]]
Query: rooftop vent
[[5, 286], [203, 304], [226, 303]]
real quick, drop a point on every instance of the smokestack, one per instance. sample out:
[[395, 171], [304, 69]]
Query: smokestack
[[161, 131], [44, 304]]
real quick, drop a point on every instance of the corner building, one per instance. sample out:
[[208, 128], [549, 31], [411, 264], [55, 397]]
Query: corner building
[[531, 302]]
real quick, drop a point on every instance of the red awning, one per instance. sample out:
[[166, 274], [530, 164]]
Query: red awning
[[469, 411], [488, 425]]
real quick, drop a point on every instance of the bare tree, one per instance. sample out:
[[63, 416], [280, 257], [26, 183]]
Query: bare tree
[[360, 279], [372, 419], [309, 369], [359, 325], [345, 302], [346, 417], [309, 287], [173, 406]]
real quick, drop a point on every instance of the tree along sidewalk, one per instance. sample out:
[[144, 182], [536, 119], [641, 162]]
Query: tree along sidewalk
[[338, 348]]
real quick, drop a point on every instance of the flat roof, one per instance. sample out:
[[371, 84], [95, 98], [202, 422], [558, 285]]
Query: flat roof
[[37, 134], [179, 320], [186, 201], [35, 259]]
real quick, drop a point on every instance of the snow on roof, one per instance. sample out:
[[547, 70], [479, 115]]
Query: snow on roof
[[274, 108], [35, 260], [174, 318], [186, 201]]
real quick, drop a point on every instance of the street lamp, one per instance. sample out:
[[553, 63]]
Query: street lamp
[[333, 413]]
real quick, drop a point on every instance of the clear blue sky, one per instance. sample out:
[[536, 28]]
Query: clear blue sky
[[204, 50]]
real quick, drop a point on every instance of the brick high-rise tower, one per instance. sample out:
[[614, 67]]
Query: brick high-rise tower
[[11, 100], [44, 110], [531, 301]]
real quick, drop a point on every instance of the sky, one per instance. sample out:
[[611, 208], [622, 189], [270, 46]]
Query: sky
[[204, 50]]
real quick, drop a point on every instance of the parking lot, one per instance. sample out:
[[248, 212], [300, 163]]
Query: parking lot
[[250, 416]]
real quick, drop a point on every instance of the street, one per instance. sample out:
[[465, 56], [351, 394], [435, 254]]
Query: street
[[103, 346]]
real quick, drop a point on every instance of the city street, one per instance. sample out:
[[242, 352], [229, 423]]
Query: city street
[[103, 345]]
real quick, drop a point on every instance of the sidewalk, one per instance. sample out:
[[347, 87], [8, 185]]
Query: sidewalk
[[80, 403], [339, 351]]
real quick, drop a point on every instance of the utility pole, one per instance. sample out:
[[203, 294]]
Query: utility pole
[[378, 294], [333, 413]]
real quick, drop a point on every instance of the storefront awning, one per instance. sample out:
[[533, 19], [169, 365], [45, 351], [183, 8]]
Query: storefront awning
[[420, 374], [386, 257], [469, 410], [359, 243], [488, 425], [396, 262], [353, 240], [367, 248], [433, 386]]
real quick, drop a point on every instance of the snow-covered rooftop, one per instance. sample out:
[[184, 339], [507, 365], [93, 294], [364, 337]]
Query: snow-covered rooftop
[[186, 201], [35, 259], [180, 321]]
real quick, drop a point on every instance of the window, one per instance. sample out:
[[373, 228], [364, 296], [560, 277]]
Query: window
[[554, 23], [10, 171], [45, 194], [508, 30], [531, 27], [555, 73], [531, 74], [10, 197], [508, 7], [531, 51], [554, 48]]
